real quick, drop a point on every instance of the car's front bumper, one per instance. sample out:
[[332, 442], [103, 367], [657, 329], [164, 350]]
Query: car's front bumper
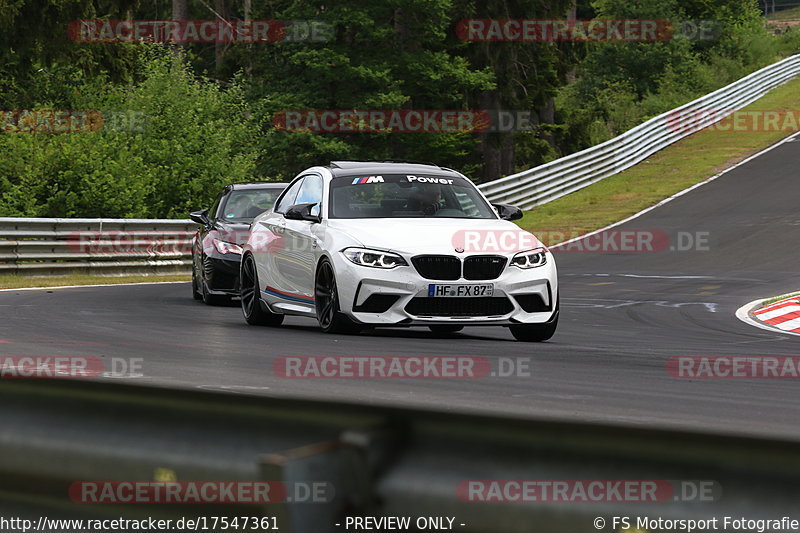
[[399, 297], [222, 273]]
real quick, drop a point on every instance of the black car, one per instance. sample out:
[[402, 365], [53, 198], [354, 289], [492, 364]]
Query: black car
[[216, 248]]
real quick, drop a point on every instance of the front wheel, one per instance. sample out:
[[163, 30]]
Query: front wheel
[[195, 290], [326, 298], [536, 332], [205, 294], [212, 299], [251, 301]]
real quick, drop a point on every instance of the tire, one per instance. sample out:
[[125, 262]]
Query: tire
[[536, 332], [253, 313], [445, 329], [195, 291], [207, 297], [212, 299], [326, 298]]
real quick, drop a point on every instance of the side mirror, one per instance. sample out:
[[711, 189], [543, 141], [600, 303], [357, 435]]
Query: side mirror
[[201, 217], [508, 212], [302, 212]]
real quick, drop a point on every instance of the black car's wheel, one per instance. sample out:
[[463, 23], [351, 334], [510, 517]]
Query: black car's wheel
[[254, 314], [536, 332], [212, 299], [326, 298], [209, 298], [195, 289], [445, 329]]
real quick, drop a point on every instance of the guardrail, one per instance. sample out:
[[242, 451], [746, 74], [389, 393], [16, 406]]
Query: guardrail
[[44, 246], [371, 460], [555, 179]]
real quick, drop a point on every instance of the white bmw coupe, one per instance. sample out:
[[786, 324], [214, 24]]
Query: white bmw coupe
[[368, 244]]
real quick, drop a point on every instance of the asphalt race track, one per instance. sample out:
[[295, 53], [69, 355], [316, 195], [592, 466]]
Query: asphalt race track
[[623, 316]]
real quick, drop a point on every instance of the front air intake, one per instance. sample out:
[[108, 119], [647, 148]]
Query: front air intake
[[438, 267]]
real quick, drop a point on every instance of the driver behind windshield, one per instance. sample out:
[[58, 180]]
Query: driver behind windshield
[[426, 197], [238, 207]]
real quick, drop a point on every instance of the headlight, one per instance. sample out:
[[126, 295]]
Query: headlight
[[530, 259], [227, 247], [373, 258]]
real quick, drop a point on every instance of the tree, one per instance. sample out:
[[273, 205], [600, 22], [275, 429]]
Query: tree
[[170, 142]]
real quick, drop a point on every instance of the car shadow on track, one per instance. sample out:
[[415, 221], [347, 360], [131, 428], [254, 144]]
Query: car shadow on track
[[309, 325], [406, 333]]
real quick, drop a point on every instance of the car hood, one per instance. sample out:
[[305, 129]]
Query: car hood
[[436, 236]]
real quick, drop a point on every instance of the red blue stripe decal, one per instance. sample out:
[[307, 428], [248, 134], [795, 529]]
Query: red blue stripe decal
[[289, 295]]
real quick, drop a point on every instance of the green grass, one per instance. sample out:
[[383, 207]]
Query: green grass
[[665, 173], [16, 282], [793, 13], [778, 298]]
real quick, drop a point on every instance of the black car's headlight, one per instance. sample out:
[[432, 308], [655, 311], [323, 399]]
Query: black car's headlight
[[530, 258], [373, 258], [227, 247]]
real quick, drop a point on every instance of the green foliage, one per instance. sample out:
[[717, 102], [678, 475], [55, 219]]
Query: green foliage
[[623, 84], [38, 60], [167, 146], [789, 42]]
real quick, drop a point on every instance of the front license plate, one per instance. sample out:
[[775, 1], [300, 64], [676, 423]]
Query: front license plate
[[473, 290]]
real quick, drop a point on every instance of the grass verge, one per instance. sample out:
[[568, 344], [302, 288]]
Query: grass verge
[[778, 298], [681, 165], [15, 282], [793, 13]]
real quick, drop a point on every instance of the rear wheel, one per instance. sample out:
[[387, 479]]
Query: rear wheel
[[326, 297], [254, 314], [445, 329], [536, 332]]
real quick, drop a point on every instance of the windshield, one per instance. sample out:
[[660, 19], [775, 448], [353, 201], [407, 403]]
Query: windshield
[[244, 205], [406, 196]]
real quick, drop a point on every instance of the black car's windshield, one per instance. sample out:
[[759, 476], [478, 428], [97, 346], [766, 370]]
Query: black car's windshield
[[404, 195], [246, 204]]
